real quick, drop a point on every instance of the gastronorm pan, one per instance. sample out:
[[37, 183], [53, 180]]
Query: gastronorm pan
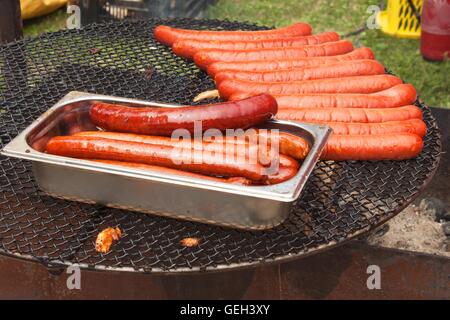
[[247, 207]]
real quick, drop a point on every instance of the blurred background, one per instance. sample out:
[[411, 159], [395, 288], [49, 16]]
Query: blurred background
[[354, 20]]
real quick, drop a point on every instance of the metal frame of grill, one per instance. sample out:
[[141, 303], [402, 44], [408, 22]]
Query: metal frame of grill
[[341, 200]]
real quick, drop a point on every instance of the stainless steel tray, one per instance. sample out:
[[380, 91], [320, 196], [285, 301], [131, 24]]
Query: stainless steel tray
[[248, 207]]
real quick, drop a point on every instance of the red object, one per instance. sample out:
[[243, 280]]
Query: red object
[[291, 145], [233, 180], [359, 115], [374, 147], [338, 70], [187, 48], [272, 65], [397, 96], [163, 121], [283, 174], [157, 155], [435, 38], [416, 126], [168, 36], [355, 84], [205, 57]]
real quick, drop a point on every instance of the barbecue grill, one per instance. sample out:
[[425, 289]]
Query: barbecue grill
[[340, 201]]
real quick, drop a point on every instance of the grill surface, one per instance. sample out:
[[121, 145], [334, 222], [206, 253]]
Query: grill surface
[[341, 199]]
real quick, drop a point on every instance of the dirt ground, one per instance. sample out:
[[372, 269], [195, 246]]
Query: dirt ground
[[419, 227], [414, 229]]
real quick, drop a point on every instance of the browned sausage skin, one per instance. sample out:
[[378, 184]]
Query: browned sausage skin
[[165, 156], [232, 180], [354, 84], [169, 36], [373, 147], [273, 65], [397, 96], [337, 70], [188, 47], [204, 58], [163, 121]]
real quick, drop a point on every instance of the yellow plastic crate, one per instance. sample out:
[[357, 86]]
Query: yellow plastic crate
[[398, 19], [35, 8]]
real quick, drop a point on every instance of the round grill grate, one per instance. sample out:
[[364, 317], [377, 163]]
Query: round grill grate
[[341, 199]]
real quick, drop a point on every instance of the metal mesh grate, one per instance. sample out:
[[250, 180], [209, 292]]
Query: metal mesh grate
[[340, 201]]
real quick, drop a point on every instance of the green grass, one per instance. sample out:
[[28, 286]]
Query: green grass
[[52, 22], [401, 56]]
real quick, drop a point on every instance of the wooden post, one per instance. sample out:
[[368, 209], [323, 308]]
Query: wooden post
[[10, 30], [10, 20]]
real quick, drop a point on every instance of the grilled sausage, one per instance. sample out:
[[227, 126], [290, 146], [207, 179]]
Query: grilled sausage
[[164, 156], [168, 36], [163, 121], [204, 58], [232, 180], [187, 48], [276, 64], [397, 96], [360, 84], [373, 147], [338, 70], [362, 115]]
